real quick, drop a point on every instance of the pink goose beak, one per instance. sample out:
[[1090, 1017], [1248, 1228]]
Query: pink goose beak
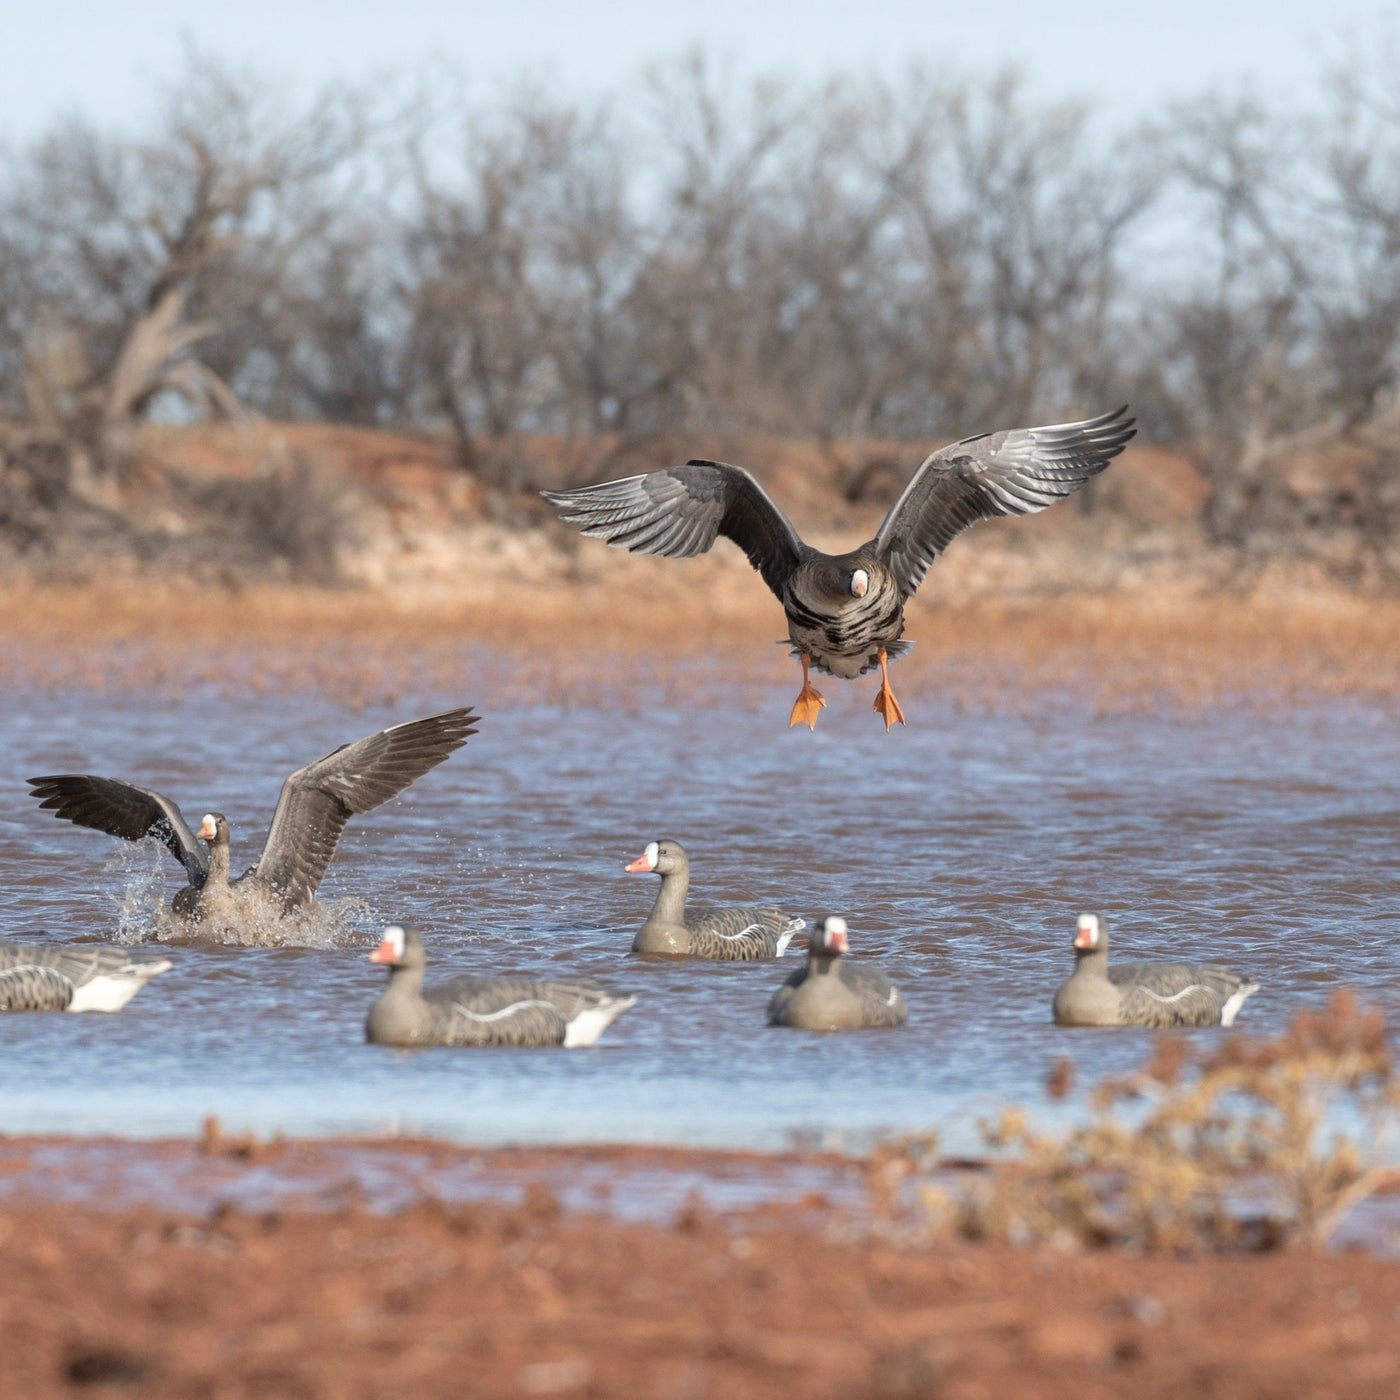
[[384, 953], [641, 863]]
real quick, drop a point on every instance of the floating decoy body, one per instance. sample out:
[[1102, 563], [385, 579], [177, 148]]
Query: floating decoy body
[[832, 993], [81, 977], [1144, 994], [507, 1011], [315, 803], [730, 933], [845, 612]]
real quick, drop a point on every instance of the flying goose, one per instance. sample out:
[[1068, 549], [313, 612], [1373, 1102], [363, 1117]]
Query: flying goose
[[731, 933], [512, 1011], [1144, 994], [88, 977], [314, 805], [845, 612], [831, 993]]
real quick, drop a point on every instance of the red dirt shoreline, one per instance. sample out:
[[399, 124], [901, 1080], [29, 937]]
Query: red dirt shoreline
[[530, 1297]]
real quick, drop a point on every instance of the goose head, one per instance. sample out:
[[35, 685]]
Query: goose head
[[664, 857], [399, 946], [213, 829], [830, 940], [1091, 936]]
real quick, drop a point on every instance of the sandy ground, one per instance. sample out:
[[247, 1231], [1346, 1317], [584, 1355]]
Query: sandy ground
[[492, 1299]]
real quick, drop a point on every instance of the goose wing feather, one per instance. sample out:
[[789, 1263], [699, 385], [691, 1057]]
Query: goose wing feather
[[125, 810], [509, 1010], [30, 986], [1016, 472], [882, 1004], [317, 800], [679, 511], [1173, 994]]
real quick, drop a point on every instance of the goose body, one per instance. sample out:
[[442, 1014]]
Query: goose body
[[1144, 994], [730, 933], [314, 805], [85, 977], [832, 993], [845, 612], [479, 1011]]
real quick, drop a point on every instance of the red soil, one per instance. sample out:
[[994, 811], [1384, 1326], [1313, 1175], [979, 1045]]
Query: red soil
[[496, 1300]]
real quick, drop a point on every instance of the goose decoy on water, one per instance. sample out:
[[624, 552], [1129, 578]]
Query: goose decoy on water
[[832, 993], [1144, 994], [730, 933], [512, 1011], [314, 805], [88, 977], [845, 612]]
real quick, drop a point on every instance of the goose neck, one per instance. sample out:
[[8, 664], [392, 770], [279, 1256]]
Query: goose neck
[[670, 898]]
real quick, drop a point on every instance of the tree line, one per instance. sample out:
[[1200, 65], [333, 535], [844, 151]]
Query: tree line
[[857, 260]]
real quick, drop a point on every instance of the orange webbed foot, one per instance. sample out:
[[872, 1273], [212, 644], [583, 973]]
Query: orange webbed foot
[[885, 703], [804, 711]]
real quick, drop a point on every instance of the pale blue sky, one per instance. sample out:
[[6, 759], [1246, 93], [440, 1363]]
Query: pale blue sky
[[102, 58]]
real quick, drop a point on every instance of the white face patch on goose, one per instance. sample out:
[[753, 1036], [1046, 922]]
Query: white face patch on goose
[[860, 582], [652, 854], [1088, 933], [835, 924], [393, 936], [208, 828]]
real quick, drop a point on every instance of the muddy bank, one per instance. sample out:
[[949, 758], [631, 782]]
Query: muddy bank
[[533, 1297], [694, 632]]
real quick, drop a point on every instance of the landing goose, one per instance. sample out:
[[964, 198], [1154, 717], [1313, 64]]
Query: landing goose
[[832, 993], [845, 612], [512, 1011], [87, 977], [731, 933], [1144, 994], [314, 805]]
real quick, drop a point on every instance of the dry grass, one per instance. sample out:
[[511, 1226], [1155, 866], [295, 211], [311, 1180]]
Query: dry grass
[[705, 633], [1253, 1144]]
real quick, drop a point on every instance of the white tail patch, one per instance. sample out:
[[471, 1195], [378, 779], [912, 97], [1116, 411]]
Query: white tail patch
[[112, 992], [794, 928], [1231, 1009], [589, 1024]]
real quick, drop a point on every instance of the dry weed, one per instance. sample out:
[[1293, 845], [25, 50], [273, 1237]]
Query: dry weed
[[1252, 1144]]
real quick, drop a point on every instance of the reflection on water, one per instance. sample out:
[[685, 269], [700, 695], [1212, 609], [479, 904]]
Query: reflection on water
[[960, 850]]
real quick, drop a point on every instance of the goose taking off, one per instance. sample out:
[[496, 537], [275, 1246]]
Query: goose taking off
[[88, 977], [511, 1011], [1144, 994], [731, 933], [845, 612], [314, 805], [831, 993]]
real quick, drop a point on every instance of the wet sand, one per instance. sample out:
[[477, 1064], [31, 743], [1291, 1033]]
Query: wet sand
[[527, 1296]]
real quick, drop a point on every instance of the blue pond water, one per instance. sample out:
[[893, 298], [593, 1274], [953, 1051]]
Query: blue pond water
[[960, 851]]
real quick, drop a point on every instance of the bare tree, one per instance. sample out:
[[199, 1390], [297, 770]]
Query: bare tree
[[137, 253]]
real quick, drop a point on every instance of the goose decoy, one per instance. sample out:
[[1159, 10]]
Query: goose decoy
[[732, 933], [845, 612], [314, 805], [88, 977], [1144, 994], [832, 993], [481, 1010]]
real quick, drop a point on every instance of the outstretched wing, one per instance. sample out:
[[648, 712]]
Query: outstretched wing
[[125, 810], [317, 801], [1017, 472], [678, 512]]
